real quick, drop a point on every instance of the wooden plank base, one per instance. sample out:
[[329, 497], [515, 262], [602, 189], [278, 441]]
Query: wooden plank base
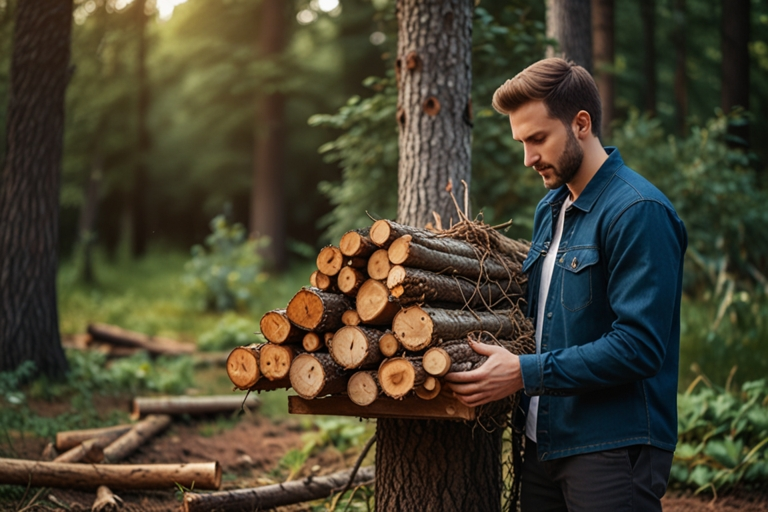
[[443, 407]]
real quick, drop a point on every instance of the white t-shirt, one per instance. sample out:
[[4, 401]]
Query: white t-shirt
[[546, 278]]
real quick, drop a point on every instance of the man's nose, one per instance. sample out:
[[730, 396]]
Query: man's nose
[[531, 157]]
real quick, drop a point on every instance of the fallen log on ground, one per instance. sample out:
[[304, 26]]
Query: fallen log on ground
[[203, 475], [90, 450], [71, 438], [271, 496], [137, 436], [155, 345], [174, 405]]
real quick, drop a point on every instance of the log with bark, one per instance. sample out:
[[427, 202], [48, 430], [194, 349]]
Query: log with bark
[[356, 244], [316, 310], [277, 495], [201, 475], [106, 500], [90, 450], [373, 304], [275, 360], [68, 439], [388, 344], [351, 317], [323, 282], [330, 260], [155, 345], [363, 388], [379, 265], [419, 327], [451, 357], [312, 342], [243, 366], [192, 405], [356, 347], [317, 374], [276, 327], [398, 376], [350, 280], [137, 436], [429, 389]]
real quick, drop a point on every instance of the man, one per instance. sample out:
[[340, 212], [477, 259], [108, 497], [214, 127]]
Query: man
[[604, 285]]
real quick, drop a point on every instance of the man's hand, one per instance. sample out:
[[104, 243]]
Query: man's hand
[[497, 378]]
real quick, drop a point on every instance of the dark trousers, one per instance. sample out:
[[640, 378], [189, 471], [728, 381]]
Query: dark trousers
[[631, 479]]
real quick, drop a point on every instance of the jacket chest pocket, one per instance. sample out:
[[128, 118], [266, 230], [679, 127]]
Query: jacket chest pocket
[[578, 267]]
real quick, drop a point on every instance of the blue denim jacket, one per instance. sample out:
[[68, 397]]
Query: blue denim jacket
[[608, 367]]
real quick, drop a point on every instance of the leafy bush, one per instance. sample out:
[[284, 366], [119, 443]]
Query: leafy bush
[[230, 332], [723, 436], [225, 274]]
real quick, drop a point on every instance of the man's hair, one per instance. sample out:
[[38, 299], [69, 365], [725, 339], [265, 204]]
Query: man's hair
[[564, 87]]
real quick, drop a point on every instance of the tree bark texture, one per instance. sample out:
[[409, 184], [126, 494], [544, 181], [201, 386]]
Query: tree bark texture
[[569, 22], [29, 188], [435, 81], [735, 63], [603, 52], [267, 196], [648, 17]]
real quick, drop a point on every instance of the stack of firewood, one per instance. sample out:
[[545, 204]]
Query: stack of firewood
[[389, 312]]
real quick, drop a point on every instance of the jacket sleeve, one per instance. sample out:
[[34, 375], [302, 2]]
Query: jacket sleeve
[[644, 247]]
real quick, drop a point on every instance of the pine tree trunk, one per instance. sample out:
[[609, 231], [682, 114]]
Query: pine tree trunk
[[569, 22], [29, 188], [267, 197], [735, 62], [434, 465], [648, 16], [603, 49]]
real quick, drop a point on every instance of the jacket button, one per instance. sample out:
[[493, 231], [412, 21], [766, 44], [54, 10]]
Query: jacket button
[[574, 263], [561, 260], [549, 315]]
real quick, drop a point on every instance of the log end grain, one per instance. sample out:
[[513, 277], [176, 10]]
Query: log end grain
[[388, 345], [243, 366], [379, 265], [349, 347], [312, 342], [362, 388], [396, 377], [430, 389], [275, 361], [330, 260], [381, 232], [436, 361], [350, 317], [276, 327], [305, 309], [307, 376], [396, 277], [349, 281], [399, 250], [373, 304], [413, 328]]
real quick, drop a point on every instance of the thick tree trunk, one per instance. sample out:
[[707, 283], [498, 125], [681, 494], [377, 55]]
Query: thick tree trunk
[[648, 16], [569, 22], [681, 74], [267, 197], [735, 63], [427, 464], [434, 57], [140, 189], [603, 50], [29, 188]]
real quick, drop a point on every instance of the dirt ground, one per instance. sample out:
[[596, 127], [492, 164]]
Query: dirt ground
[[251, 449]]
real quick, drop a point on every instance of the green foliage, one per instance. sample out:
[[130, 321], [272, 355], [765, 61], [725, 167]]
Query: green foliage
[[227, 272], [230, 332], [723, 436]]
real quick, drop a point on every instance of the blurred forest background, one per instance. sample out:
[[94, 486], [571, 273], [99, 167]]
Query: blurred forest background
[[255, 136]]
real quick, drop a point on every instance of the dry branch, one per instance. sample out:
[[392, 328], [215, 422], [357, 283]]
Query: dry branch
[[155, 345], [137, 436], [71, 438]]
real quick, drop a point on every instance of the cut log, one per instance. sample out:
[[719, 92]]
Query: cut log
[[363, 388], [312, 342], [356, 262], [350, 280], [430, 383], [317, 374], [350, 317], [276, 495], [323, 282], [419, 327], [106, 500], [399, 375], [330, 260], [425, 393], [68, 439], [388, 345], [201, 475], [328, 337], [412, 285], [137, 436], [391, 231], [276, 327], [155, 345], [446, 358], [275, 360], [316, 310], [383, 232], [356, 347], [404, 251], [90, 450], [243, 366], [379, 265], [373, 304], [436, 361], [357, 244], [192, 405]]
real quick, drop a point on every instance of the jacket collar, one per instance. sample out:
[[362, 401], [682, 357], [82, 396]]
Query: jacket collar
[[596, 185]]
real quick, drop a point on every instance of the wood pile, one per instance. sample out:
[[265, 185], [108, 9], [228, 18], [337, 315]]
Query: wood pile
[[388, 313]]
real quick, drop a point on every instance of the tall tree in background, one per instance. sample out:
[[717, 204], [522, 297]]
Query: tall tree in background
[[29, 188], [681, 72], [603, 48], [648, 17], [735, 62], [569, 22], [140, 177], [267, 197], [434, 465]]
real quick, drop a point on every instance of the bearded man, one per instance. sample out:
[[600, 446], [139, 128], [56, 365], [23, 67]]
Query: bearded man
[[604, 287]]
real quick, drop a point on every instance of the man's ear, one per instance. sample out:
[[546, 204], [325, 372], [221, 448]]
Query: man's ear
[[582, 125]]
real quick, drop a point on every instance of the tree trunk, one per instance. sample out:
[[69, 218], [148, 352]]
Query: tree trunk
[[603, 49], [735, 63], [29, 188], [648, 16], [569, 22], [267, 197], [434, 55], [139, 228], [681, 74], [434, 465]]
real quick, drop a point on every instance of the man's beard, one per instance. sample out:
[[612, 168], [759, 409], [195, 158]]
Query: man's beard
[[568, 164]]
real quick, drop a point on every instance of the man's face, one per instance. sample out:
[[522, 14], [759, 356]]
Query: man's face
[[550, 147]]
